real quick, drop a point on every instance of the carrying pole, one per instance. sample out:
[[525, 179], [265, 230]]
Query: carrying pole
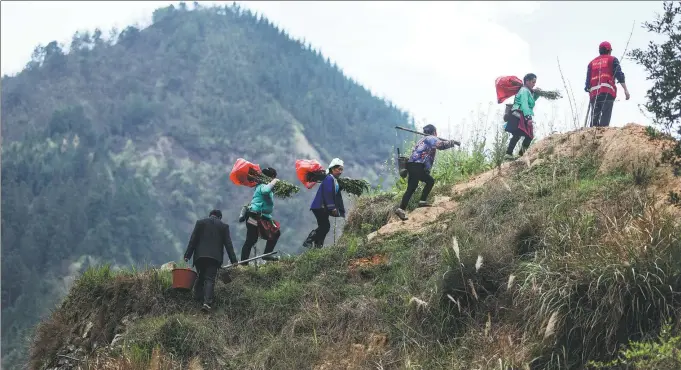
[[421, 133], [588, 114], [250, 259]]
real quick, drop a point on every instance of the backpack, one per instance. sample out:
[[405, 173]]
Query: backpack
[[243, 215], [507, 112]]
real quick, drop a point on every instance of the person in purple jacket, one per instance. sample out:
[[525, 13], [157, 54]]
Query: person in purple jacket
[[327, 202], [418, 168]]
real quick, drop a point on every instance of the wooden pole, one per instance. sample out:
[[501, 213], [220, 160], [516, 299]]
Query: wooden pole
[[421, 133]]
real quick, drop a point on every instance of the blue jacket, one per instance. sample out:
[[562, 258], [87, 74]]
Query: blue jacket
[[263, 201], [329, 196], [425, 150]]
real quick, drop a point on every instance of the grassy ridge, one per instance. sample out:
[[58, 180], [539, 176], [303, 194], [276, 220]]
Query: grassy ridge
[[556, 266]]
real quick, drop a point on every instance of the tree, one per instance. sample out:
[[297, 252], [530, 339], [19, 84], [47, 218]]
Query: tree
[[662, 61]]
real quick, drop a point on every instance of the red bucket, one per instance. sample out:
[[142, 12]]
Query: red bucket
[[183, 278]]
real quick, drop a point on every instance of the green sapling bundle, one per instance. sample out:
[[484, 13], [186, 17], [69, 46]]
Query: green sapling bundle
[[353, 186], [282, 189]]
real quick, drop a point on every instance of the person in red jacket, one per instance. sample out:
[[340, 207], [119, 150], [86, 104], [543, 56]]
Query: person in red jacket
[[600, 84]]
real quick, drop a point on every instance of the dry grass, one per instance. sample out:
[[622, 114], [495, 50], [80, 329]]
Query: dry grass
[[558, 265], [92, 314], [370, 213]]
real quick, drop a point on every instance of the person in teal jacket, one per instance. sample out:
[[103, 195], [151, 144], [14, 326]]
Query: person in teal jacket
[[520, 122], [259, 221]]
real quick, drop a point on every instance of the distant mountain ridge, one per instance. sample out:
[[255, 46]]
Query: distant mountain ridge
[[112, 150]]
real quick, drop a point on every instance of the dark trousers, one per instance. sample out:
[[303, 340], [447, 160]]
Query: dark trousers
[[417, 173], [205, 284], [318, 235], [602, 110], [514, 140], [252, 235]]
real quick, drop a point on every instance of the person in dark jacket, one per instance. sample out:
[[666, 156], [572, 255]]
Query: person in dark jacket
[[210, 235], [327, 202], [418, 168]]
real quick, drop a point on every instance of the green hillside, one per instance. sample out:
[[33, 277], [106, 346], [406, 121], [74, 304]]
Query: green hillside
[[548, 262], [112, 150]]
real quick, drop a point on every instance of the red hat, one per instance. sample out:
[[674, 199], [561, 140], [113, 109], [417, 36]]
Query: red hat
[[605, 45]]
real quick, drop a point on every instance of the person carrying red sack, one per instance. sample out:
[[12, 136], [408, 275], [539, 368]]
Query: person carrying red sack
[[327, 202], [520, 123], [259, 221]]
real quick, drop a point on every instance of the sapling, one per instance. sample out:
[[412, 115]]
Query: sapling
[[282, 189]]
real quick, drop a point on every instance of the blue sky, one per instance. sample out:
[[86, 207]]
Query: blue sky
[[437, 60]]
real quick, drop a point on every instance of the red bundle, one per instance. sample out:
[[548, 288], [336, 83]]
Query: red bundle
[[239, 174], [507, 86], [304, 168]]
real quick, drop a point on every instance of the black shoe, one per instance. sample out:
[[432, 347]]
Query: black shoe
[[206, 307], [401, 214], [423, 203], [271, 258], [309, 242]]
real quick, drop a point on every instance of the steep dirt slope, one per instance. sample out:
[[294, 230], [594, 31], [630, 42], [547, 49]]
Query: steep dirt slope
[[541, 264], [626, 148]]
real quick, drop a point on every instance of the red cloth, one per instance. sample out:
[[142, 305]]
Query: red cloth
[[602, 79], [526, 125], [507, 86], [239, 173], [268, 229]]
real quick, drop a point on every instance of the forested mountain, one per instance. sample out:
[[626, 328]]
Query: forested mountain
[[113, 149]]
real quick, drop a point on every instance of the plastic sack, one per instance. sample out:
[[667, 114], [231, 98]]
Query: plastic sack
[[507, 86], [304, 167], [239, 174]]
